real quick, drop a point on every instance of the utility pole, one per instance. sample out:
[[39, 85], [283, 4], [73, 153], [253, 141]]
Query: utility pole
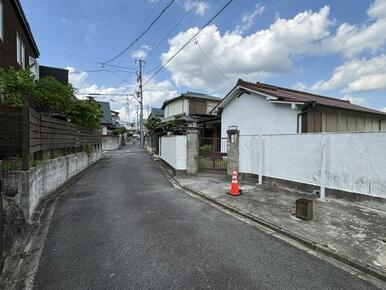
[[137, 122], [140, 97]]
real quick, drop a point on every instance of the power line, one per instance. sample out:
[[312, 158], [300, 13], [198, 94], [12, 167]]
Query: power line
[[108, 71], [140, 36], [84, 58], [154, 47], [186, 44], [150, 15], [212, 63]]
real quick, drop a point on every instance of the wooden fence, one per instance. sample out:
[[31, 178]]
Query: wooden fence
[[26, 133]]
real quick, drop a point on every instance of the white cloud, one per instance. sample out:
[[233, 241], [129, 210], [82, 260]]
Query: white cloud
[[354, 100], [154, 92], [77, 79], [249, 19], [356, 76], [257, 55], [299, 86], [384, 109], [139, 54], [64, 20], [351, 40], [201, 7]]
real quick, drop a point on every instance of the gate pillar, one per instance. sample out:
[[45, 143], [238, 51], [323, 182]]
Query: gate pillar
[[233, 149], [192, 136]]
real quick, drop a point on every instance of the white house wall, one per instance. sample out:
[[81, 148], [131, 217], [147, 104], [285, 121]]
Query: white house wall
[[173, 150], [355, 162], [254, 115], [177, 107]]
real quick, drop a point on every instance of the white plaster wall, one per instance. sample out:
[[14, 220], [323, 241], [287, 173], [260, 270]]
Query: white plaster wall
[[355, 162], [173, 150], [253, 115], [176, 108]]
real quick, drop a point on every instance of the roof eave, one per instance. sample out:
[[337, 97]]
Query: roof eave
[[27, 27]]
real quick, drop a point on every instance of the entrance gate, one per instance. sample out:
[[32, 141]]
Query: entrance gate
[[213, 154]]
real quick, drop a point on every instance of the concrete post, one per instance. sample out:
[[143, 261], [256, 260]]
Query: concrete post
[[233, 151], [323, 169], [192, 137]]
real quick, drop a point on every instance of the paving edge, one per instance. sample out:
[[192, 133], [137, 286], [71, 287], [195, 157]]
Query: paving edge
[[349, 261], [38, 225]]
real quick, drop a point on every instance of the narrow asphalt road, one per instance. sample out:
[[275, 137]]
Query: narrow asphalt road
[[124, 226]]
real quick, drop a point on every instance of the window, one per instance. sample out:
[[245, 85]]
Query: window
[[1, 21], [20, 51], [34, 67]]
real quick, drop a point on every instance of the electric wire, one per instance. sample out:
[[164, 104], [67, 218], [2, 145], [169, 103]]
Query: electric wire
[[157, 44], [140, 36], [212, 63], [188, 42]]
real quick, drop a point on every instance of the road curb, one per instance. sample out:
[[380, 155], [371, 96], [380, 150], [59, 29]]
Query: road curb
[[325, 250]]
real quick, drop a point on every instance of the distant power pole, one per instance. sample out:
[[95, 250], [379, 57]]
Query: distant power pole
[[141, 63], [137, 121]]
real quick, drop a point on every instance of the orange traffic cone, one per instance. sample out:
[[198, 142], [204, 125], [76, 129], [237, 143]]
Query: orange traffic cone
[[234, 185]]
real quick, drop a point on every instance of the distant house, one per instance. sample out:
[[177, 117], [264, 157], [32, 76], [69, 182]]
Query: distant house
[[257, 108], [107, 124], [196, 110], [132, 128], [17, 44], [115, 118], [157, 113], [60, 74]]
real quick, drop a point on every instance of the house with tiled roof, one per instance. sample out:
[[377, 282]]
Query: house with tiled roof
[[258, 109]]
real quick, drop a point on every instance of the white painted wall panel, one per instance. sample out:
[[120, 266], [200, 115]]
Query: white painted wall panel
[[254, 115], [293, 157], [176, 108], [355, 162], [173, 150]]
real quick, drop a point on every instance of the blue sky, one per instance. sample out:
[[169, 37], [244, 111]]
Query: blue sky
[[335, 48]]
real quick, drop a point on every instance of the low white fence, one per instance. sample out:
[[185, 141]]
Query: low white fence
[[354, 162], [173, 150]]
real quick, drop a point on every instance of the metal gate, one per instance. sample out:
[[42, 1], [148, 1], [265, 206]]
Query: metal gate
[[213, 154]]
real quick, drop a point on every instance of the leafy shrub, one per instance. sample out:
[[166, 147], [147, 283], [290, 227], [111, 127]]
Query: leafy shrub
[[118, 131], [55, 95], [16, 86], [19, 88], [85, 113], [206, 148]]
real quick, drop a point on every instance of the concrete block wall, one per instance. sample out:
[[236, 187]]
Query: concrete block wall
[[29, 187], [110, 143]]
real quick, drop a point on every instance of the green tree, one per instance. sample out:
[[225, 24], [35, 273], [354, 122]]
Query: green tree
[[118, 131], [151, 124], [16, 86], [176, 123], [53, 94], [85, 113]]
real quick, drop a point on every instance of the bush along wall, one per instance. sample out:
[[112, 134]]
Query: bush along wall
[[19, 88]]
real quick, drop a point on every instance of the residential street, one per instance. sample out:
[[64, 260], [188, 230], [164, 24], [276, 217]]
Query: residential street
[[124, 226]]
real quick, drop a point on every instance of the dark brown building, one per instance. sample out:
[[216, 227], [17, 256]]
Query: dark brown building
[[60, 74], [17, 45]]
